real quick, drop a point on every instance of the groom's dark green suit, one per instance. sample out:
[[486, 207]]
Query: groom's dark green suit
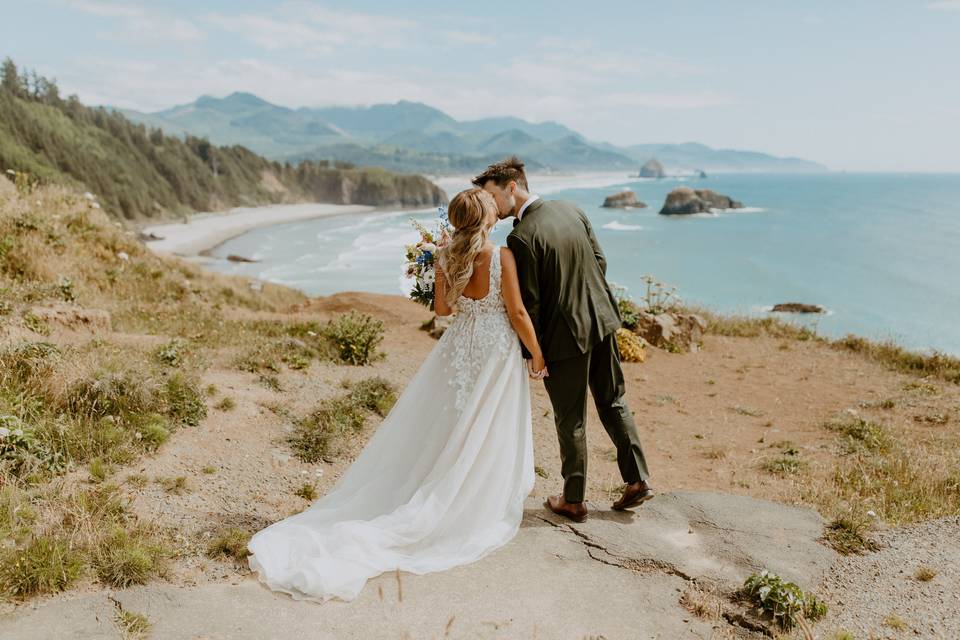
[[562, 270]]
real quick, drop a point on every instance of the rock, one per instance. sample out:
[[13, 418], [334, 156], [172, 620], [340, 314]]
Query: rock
[[701, 174], [797, 307], [678, 332], [652, 169], [147, 237], [437, 325], [624, 200], [236, 258], [684, 200], [612, 562]]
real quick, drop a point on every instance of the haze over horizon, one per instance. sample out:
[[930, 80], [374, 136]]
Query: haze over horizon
[[859, 86]]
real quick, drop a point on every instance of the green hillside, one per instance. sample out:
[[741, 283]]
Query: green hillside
[[139, 172]]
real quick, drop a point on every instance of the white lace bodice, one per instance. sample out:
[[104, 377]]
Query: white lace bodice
[[480, 329]]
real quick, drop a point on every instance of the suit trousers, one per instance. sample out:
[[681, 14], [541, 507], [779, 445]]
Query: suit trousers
[[599, 369]]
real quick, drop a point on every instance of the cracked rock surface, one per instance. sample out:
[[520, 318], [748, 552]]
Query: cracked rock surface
[[618, 575]]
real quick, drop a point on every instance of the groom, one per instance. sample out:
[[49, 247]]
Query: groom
[[562, 280]]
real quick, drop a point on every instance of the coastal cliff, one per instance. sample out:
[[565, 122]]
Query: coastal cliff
[[140, 173]]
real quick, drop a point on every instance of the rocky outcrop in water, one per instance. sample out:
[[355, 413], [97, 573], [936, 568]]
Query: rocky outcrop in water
[[623, 200], [797, 307], [652, 169], [684, 200]]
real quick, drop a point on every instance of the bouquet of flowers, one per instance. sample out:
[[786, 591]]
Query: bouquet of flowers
[[421, 258]]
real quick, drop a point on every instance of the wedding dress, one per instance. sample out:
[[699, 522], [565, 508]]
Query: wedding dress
[[442, 481]]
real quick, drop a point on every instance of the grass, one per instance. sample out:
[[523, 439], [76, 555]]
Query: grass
[[175, 486], [226, 404], [85, 530], [887, 353], [208, 469], [859, 435], [849, 535], [230, 543], [308, 492], [45, 565], [131, 625], [125, 558], [924, 574], [316, 436], [893, 621]]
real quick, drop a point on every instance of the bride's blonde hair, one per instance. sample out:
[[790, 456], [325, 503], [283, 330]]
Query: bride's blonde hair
[[468, 214]]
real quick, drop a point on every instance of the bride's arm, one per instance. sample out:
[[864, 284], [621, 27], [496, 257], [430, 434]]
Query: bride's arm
[[519, 318], [440, 306]]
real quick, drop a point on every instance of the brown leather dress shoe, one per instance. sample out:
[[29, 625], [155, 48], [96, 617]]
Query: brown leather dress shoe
[[633, 495], [575, 511]]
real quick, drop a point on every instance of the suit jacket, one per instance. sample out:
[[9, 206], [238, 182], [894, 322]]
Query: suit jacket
[[562, 273]]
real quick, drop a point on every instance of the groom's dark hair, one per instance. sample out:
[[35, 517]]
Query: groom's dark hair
[[503, 172]]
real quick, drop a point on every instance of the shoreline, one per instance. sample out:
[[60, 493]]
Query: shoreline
[[204, 232]]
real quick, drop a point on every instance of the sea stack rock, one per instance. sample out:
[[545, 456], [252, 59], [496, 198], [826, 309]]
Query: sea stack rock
[[684, 200], [623, 200], [797, 307], [652, 169]]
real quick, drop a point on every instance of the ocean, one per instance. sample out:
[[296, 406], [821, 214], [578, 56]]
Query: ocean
[[881, 252]]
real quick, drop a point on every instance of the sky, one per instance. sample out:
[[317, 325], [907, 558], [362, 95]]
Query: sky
[[857, 85]]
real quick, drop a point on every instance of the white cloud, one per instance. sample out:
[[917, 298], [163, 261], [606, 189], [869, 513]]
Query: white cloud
[[139, 24], [944, 5], [316, 30]]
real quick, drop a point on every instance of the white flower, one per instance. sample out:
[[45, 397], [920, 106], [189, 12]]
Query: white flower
[[872, 513], [95, 205], [123, 255], [312, 334], [4, 432], [88, 195], [429, 277]]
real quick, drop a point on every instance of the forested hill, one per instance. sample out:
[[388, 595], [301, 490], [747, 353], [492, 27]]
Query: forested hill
[[139, 172]]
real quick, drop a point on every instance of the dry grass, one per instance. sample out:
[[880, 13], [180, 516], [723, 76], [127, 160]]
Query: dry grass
[[231, 543], [924, 574]]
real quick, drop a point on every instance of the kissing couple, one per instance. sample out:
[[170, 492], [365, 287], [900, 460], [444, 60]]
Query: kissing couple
[[442, 482]]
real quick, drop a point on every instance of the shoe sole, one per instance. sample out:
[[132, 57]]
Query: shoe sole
[[636, 502]]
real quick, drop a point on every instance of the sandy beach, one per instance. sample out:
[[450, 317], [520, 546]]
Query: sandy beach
[[205, 231]]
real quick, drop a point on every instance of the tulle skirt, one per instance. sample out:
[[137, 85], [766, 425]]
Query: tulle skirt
[[435, 487]]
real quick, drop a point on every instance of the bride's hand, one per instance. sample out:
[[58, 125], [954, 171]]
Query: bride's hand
[[538, 368]]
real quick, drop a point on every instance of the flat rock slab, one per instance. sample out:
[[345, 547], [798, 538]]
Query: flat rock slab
[[619, 575]]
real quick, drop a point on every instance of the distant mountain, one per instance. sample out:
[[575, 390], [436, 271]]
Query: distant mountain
[[140, 173], [410, 136]]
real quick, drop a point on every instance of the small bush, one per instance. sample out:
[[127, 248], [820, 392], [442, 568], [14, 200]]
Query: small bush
[[172, 353], [924, 573], [99, 470], [355, 337], [175, 486], [226, 404], [861, 435], [630, 346], [784, 601], [44, 565], [231, 543]]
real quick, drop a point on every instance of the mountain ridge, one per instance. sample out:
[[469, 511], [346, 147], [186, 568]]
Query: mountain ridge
[[413, 136]]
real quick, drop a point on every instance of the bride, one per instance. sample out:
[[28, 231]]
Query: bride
[[443, 480]]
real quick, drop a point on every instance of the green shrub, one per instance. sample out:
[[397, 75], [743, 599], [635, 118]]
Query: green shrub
[[172, 353], [313, 436], [151, 431], [355, 337], [784, 601]]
